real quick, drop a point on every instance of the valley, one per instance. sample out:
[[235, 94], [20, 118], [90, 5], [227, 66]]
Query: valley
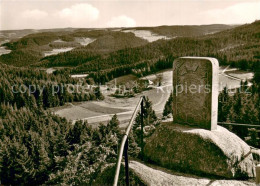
[[95, 112], [66, 94], [123, 56]]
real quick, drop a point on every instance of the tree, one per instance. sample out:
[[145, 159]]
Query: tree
[[75, 132], [150, 121], [113, 126], [98, 93], [168, 106], [254, 138], [223, 105]]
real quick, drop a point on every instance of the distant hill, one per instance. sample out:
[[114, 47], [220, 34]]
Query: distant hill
[[238, 47], [7, 35], [193, 30], [115, 52], [31, 48], [187, 31]]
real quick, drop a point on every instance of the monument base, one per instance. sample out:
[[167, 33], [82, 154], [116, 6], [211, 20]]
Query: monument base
[[199, 151]]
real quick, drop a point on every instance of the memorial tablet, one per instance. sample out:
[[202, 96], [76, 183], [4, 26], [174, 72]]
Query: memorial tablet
[[195, 91]]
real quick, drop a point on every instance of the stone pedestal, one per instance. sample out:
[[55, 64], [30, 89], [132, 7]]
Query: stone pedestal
[[199, 151]]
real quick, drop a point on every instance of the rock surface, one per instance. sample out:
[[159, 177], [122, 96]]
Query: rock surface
[[151, 176], [199, 151]]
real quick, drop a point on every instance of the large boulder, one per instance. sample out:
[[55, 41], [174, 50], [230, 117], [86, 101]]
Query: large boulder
[[157, 176], [199, 151], [141, 174]]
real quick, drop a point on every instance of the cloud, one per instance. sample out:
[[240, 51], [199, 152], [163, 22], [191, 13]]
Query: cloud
[[34, 14], [79, 13], [121, 21], [238, 13]]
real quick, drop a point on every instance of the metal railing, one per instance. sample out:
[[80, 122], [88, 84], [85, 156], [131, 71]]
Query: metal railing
[[243, 125], [239, 124], [225, 124], [124, 143]]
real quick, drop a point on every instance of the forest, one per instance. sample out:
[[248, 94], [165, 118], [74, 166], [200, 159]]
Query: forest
[[48, 90], [242, 107], [37, 147]]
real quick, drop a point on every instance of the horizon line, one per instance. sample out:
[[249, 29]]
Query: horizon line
[[232, 24]]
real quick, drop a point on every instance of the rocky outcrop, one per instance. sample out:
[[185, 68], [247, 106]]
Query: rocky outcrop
[[156, 177], [199, 151], [141, 174]]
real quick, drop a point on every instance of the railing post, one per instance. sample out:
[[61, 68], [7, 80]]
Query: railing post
[[126, 163], [124, 147], [142, 129], [257, 170]]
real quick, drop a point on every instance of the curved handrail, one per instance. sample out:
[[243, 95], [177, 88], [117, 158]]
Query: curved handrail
[[129, 127]]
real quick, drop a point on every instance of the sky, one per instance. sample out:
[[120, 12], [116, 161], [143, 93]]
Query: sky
[[42, 14]]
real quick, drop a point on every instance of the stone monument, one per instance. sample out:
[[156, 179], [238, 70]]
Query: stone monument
[[195, 91], [192, 149]]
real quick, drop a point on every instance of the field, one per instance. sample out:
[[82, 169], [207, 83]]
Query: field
[[123, 80], [3, 50], [57, 51], [147, 35]]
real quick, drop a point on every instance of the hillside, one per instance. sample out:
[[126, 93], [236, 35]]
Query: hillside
[[186, 31], [33, 47], [238, 47], [30, 46]]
